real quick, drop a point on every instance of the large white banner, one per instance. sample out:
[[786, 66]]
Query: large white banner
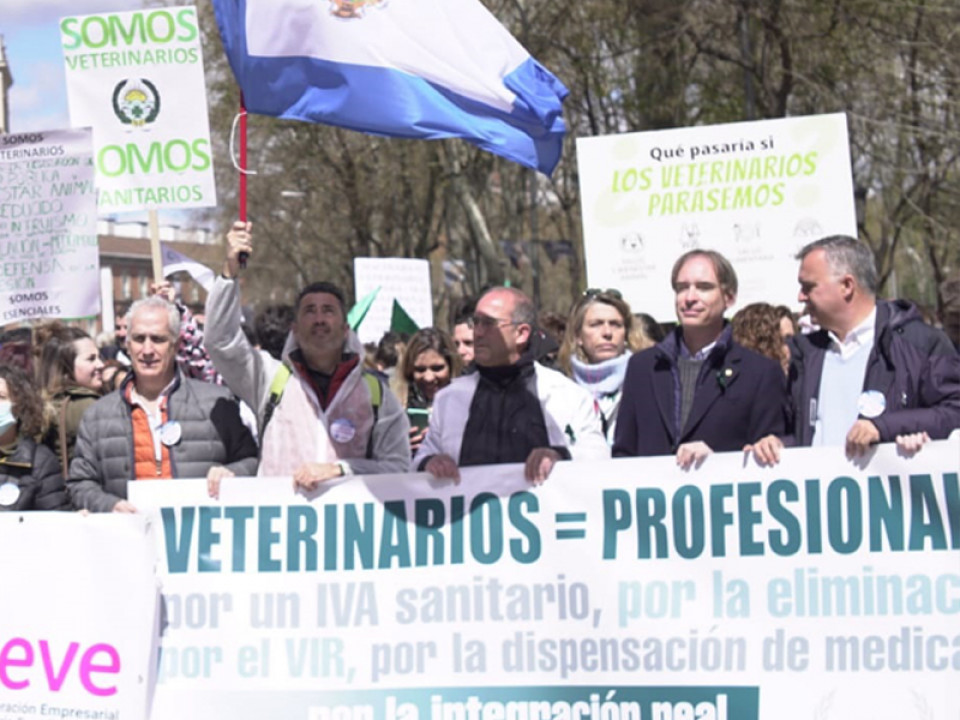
[[406, 280], [49, 262], [137, 79], [619, 590], [78, 616], [756, 191]]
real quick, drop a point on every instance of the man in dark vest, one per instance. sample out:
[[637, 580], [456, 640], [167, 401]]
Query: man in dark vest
[[513, 409], [158, 424]]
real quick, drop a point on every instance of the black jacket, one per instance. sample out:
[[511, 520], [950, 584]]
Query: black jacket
[[740, 397], [35, 471], [912, 364]]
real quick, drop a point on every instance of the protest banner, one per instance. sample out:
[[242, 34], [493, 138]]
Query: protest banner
[[756, 192], [78, 616], [137, 79], [619, 590], [49, 262], [405, 280]]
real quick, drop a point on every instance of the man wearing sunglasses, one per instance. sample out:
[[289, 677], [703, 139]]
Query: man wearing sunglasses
[[512, 409]]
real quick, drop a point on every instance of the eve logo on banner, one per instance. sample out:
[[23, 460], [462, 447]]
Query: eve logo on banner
[[19, 665]]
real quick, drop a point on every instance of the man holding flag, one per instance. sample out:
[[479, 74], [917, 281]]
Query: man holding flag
[[321, 415]]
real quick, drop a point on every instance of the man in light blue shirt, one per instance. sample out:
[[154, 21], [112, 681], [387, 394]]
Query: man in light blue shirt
[[874, 372]]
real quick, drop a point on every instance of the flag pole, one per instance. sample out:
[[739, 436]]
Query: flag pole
[[242, 201], [243, 160]]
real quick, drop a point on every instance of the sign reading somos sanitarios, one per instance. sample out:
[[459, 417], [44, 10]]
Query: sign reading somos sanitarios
[[757, 192], [137, 79], [619, 590]]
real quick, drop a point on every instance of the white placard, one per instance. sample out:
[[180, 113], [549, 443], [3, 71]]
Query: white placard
[[756, 192], [137, 79], [822, 587], [405, 280], [49, 262], [78, 616]]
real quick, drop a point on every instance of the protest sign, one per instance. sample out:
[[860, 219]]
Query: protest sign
[[619, 590], [78, 616], [49, 263], [405, 280], [137, 79], [756, 192]]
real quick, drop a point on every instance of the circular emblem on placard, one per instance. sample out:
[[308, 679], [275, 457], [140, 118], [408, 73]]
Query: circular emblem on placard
[[353, 9], [342, 430], [170, 433], [136, 102], [9, 494], [871, 403]]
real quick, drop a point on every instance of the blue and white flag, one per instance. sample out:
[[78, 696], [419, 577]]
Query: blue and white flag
[[403, 68]]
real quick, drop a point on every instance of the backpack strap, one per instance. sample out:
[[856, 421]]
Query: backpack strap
[[376, 397], [282, 376], [277, 385]]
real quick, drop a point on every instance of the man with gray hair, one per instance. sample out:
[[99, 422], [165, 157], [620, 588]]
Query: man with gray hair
[[873, 372], [158, 424], [512, 410]]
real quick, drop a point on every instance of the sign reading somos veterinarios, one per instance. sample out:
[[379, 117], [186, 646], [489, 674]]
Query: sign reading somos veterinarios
[[619, 590], [137, 79], [756, 192]]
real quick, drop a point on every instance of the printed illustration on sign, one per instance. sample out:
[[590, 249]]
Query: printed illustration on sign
[[689, 236], [352, 9], [136, 102], [632, 243]]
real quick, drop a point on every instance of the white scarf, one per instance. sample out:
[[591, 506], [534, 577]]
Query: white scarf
[[602, 378]]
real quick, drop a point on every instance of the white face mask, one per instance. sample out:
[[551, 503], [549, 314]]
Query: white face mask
[[7, 420]]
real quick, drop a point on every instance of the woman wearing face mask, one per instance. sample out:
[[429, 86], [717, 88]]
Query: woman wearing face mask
[[29, 473], [71, 378], [428, 364], [600, 336]]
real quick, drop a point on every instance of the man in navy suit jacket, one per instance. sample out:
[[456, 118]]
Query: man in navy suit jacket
[[698, 391]]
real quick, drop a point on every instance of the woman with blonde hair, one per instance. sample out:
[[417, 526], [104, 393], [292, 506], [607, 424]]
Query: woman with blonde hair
[[428, 364], [70, 375], [600, 337]]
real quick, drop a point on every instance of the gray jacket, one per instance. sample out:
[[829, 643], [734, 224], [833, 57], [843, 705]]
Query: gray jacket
[[249, 373], [211, 434]]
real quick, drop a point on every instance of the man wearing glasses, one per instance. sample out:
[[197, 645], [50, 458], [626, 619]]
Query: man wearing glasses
[[512, 409]]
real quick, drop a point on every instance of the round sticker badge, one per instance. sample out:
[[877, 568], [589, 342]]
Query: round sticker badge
[[170, 433], [871, 403], [342, 430], [9, 494]]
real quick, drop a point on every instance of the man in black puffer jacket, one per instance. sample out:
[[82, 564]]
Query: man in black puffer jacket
[[158, 424]]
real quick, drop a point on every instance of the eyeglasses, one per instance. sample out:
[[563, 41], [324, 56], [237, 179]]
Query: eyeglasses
[[488, 323]]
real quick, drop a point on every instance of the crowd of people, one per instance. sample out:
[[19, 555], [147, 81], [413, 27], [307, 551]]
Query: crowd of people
[[296, 394]]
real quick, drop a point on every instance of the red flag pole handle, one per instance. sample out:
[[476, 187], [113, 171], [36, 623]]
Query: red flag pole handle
[[242, 201]]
